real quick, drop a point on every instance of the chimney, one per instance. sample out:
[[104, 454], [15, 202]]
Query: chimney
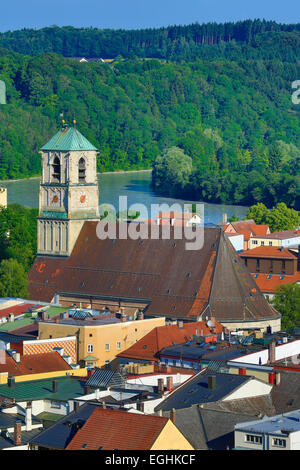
[[18, 433], [272, 378], [277, 378], [140, 406], [11, 381], [54, 386], [103, 405], [76, 406], [123, 318], [272, 355], [17, 357], [224, 218], [180, 324], [28, 417], [173, 415], [170, 384], [140, 315], [212, 381], [242, 371], [87, 389], [90, 373], [160, 386]]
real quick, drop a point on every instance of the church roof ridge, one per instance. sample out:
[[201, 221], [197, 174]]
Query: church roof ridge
[[68, 138]]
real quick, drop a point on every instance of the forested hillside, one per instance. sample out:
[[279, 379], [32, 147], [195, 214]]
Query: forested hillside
[[172, 42], [230, 111]]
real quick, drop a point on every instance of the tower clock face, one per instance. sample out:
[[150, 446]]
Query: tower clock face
[[55, 197], [82, 198]]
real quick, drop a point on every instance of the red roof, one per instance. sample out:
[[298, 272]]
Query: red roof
[[34, 364], [160, 337], [113, 429], [16, 309], [269, 252], [269, 284]]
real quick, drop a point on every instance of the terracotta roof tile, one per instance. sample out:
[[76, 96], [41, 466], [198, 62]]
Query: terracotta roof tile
[[269, 283], [113, 429], [34, 364], [269, 252], [160, 337]]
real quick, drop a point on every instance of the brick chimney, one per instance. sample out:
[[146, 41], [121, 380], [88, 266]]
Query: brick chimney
[[212, 381], [173, 415], [160, 386], [18, 433], [54, 386], [272, 355], [180, 324], [170, 384]]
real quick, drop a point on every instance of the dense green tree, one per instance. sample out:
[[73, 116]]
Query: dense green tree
[[171, 171], [287, 302], [282, 218], [259, 213], [13, 279]]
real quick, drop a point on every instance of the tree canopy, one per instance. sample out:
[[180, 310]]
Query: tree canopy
[[279, 218], [287, 302]]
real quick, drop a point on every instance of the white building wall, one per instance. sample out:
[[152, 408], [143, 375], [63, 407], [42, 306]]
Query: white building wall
[[281, 352], [252, 388]]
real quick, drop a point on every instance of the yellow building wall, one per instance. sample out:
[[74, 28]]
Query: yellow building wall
[[45, 375], [275, 242], [171, 438], [98, 336]]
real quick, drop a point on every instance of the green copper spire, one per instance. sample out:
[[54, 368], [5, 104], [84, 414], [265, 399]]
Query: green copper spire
[[68, 138]]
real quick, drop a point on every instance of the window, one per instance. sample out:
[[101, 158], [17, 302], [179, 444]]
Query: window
[[106, 346], [55, 178], [254, 242], [262, 243], [270, 243], [90, 348], [279, 442], [55, 404], [253, 439], [118, 345], [271, 266], [81, 171], [283, 266]]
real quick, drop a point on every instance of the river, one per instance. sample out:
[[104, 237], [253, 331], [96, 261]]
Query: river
[[134, 185]]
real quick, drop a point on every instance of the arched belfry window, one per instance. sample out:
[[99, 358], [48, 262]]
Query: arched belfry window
[[56, 170], [81, 171]]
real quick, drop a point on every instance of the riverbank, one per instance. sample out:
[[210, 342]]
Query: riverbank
[[99, 173]]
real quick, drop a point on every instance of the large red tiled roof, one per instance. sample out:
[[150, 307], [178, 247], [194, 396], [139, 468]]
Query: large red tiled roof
[[174, 281], [34, 364], [269, 284], [160, 337], [113, 429], [269, 252]]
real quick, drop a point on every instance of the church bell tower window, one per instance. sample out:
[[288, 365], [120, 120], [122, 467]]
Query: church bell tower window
[[81, 171], [56, 171]]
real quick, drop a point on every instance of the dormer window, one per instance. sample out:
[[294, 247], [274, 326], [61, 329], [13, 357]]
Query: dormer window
[[81, 171], [55, 178]]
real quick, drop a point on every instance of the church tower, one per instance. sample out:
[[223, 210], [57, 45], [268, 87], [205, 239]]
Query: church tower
[[68, 191]]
